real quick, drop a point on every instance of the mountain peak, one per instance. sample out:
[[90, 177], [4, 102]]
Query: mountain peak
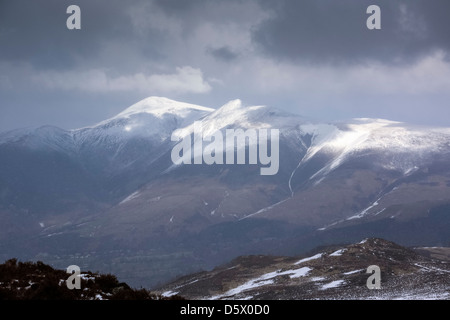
[[232, 105], [153, 115], [158, 106]]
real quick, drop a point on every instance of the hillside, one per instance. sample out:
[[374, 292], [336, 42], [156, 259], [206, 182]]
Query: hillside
[[38, 281], [329, 273]]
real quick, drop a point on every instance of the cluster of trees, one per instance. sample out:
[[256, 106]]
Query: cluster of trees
[[38, 281]]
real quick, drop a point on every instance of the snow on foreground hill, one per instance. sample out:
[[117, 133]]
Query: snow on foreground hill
[[337, 273]]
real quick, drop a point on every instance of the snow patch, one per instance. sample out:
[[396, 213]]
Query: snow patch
[[255, 283], [299, 272], [365, 211], [54, 234], [429, 269], [130, 197], [337, 253], [86, 277], [264, 209], [265, 279], [315, 279], [378, 212], [353, 272], [332, 284], [169, 293], [317, 256]]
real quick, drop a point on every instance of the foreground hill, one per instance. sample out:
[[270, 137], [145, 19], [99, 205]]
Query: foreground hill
[[38, 281], [333, 273]]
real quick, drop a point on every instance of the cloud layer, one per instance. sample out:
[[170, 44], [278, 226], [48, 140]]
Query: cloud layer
[[185, 80], [314, 57]]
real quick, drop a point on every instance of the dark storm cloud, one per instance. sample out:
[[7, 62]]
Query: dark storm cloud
[[324, 31], [223, 53], [319, 31], [178, 7], [35, 32], [292, 54]]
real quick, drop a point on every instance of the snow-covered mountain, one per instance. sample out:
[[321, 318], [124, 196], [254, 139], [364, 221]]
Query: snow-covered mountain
[[112, 187], [155, 119], [411, 146], [152, 118]]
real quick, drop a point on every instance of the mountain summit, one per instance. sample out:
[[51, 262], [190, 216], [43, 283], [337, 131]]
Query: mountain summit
[[159, 106]]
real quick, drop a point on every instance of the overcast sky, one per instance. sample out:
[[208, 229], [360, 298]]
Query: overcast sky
[[315, 58]]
